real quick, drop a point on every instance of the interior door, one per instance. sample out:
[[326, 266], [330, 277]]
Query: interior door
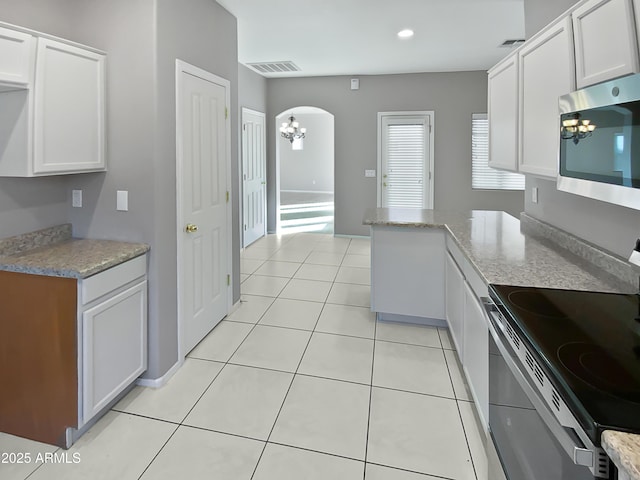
[[203, 208], [254, 177], [405, 161]]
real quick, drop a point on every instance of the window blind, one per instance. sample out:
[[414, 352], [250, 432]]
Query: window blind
[[405, 165], [483, 177]]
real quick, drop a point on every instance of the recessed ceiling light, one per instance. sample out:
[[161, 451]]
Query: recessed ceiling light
[[406, 33]]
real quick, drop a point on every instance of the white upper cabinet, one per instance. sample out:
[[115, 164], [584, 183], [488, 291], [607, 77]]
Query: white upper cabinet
[[605, 41], [546, 71], [503, 114], [69, 109], [16, 57], [52, 99]]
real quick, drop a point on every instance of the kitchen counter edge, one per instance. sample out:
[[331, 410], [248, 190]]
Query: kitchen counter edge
[[73, 258]]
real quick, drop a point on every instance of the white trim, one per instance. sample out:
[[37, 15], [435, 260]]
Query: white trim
[[160, 381], [186, 68], [306, 191], [423, 113]]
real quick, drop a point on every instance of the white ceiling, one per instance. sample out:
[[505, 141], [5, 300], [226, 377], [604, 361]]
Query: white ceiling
[[351, 37]]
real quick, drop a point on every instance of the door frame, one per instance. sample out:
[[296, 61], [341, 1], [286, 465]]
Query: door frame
[[241, 196], [432, 175], [183, 68]]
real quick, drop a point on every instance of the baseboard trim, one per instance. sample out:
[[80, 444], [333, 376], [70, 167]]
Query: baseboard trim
[[161, 381], [394, 317]]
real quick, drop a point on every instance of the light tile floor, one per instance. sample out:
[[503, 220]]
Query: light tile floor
[[299, 382]]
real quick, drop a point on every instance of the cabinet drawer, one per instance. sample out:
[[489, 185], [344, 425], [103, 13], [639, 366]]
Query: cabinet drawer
[[104, 282], [16, 56]]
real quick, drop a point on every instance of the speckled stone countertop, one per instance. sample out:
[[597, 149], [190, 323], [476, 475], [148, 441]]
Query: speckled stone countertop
[[624, 450], [502, 254], [58, 255]]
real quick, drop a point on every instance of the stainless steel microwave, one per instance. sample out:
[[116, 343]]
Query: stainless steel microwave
[[600, 142]]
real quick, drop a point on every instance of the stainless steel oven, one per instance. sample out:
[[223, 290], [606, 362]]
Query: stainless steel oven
[[534, 433]]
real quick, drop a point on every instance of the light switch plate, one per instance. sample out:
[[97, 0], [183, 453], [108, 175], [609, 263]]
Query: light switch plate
[[76, 198], [370, 173], [355, 84], [122, 200]]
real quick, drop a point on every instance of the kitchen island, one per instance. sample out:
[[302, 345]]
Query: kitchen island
[[493, 247]]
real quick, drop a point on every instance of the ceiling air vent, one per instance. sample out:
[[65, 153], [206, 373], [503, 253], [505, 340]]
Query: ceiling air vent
[[274, 67], [514, 42]]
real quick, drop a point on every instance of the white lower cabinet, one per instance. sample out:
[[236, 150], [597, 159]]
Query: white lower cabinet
[[454, 280], [476, 352], [112, 336], [114, 347], [468, 325]]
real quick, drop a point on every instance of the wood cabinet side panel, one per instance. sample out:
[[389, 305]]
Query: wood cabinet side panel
[[38, 356]]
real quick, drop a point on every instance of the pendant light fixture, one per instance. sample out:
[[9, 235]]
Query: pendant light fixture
[[292, 130]]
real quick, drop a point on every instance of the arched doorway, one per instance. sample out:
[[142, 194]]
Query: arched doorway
[[305, 173]]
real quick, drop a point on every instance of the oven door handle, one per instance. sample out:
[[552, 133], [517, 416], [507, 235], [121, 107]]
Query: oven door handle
[[578, 454]]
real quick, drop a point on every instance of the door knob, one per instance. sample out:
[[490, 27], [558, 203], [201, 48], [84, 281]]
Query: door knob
[[191, 228]]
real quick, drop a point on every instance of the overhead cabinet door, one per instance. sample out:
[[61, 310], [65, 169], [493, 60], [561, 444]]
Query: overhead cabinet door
[[503, 114], [69, 109], [546, 72], [16, 54], [605, 39]]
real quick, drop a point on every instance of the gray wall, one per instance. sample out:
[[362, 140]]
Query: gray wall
[[538, 13], [252, 90], [142, 39], [309, 169], [204, 34], [608, 226], [30, 204], [453, 97]]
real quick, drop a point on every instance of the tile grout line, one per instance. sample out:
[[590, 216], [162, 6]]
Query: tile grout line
[[288, 389], [464, 429], [373, 361]]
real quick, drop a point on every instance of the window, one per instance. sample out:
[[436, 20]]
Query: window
[[483, 177]]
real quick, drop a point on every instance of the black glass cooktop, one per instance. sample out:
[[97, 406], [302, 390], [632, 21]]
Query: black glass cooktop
[[589, 344]]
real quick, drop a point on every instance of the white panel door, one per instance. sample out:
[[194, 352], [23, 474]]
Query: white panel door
[[405, 160], [254, 176], [203, 196]]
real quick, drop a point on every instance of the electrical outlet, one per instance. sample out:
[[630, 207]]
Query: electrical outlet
[[122, 200], [534, 194], [370, 173], [76, 198]]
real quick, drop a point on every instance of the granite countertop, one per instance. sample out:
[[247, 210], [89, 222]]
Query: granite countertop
[[52, 252], [501, 253]]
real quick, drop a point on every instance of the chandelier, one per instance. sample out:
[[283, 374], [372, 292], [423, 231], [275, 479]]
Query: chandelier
[[292, 130], [576, 129]]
